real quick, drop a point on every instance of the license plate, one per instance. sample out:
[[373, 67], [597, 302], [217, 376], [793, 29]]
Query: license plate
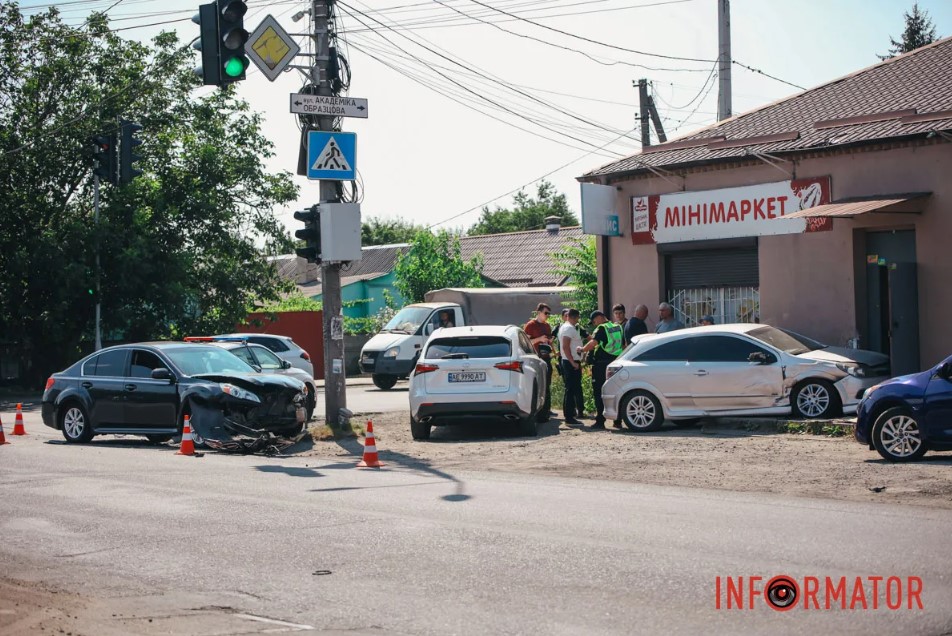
[[468, 376], [367, 360]]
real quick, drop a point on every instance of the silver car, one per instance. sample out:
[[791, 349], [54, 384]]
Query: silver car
[[740, 369], [282, 346]]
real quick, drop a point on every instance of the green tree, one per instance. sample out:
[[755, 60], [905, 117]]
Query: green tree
[[179, 247], [377, 231], [577, 263], [527, 213], [919, 32], [435, 261]]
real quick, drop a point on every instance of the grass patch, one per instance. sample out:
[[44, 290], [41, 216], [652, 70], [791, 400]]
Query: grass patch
[[829, 429], [325, 432]]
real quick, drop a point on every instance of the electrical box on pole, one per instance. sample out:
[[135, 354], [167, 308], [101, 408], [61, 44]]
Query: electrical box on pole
[[340, 229]]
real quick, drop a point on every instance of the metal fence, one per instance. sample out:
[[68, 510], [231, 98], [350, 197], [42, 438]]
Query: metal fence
[[726, 304]]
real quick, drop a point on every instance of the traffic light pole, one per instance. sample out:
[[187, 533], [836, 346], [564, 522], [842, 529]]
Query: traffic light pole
[[96, 225], [335, 386]]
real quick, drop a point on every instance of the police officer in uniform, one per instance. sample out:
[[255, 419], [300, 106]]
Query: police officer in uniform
[[608, 341]]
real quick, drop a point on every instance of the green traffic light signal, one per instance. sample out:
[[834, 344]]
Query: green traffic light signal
[[235, 66]]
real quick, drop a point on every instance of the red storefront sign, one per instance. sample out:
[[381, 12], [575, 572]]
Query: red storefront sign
[[757, 210]]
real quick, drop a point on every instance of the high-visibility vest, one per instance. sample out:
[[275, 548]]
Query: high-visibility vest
[[616, 338]]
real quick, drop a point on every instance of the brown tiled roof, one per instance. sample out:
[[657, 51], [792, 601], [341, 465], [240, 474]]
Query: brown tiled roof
[[909, 95], [376, 259], [520, 259]]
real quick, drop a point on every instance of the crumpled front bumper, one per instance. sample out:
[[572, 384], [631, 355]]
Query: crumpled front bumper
[[246, 426]]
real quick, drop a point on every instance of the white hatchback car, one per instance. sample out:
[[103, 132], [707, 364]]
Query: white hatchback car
[[468, 373], [740, 369]]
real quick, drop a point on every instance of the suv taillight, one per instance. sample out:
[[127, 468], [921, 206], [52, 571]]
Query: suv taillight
[[49, 383], [422, 367], [509, 366], [305, 355]]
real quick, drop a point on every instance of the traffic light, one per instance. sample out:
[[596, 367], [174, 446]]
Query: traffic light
[[311, 234], [207, 43], [105, 158], [231, 40], [127, 154]]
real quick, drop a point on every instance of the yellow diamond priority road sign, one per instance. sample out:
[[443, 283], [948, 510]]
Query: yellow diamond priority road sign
[[271, 48]]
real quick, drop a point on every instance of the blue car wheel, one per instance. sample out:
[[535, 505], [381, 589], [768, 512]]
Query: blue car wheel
[[897, 436]]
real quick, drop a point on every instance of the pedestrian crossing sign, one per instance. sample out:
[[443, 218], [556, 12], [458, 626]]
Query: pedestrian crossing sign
[[331, 155]]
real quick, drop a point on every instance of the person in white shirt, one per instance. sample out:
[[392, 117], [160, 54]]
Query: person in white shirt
[[570, 342]]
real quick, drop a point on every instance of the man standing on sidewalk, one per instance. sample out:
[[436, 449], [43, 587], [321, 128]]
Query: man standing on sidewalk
[[570, 343], [607, 342], [540, 333]]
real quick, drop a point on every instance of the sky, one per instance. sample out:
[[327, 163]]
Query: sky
[[471, 100]]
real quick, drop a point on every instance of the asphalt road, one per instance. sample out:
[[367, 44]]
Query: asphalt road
[[161, 543], [363, 397]]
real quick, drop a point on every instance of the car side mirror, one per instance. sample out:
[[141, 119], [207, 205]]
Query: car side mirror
[[545, 350], [428, 329], [162, 374], [945, 371], [758, 357], [285, 364]]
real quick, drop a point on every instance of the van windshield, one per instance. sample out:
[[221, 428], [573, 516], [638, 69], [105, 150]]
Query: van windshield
[[408, 320]]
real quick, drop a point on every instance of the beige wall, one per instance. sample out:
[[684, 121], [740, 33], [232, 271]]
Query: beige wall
[[807, 281]]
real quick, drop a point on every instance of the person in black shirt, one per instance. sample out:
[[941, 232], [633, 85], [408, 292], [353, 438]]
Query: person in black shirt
[[636, 324]]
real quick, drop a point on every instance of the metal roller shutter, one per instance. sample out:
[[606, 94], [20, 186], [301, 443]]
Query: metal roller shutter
[[713, 268]]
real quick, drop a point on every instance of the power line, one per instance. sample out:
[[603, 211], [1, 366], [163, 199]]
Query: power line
[[568, 48], [438, 72]]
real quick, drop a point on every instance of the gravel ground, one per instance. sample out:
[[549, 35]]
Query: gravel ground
[[720, 455]]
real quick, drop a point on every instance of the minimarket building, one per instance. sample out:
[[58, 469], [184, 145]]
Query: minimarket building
[[828, 213]]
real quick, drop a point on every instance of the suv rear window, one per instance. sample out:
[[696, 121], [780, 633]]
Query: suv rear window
[[464, 347]]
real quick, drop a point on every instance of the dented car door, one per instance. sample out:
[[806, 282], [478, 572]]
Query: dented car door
[[723, 377]]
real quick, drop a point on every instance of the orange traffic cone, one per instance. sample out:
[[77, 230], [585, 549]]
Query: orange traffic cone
[[18, 422], [3, 439], [370, 459], [188, 444]]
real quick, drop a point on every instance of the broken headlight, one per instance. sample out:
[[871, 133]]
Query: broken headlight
[[854, 370], [238, 392]]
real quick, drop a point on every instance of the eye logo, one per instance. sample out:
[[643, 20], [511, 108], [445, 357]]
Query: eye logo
[[781, 593]]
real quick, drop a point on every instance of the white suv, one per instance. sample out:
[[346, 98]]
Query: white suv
[[283, 346], [467, 373]]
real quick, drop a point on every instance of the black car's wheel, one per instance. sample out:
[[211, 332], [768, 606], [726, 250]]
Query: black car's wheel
[[897, 436], [75, 424], [158, 439], [815, 399], [384, 382], [641, 412], [291, 431], [419, 430]]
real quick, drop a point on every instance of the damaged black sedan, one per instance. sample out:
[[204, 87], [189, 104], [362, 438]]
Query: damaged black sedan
[[148, 388]]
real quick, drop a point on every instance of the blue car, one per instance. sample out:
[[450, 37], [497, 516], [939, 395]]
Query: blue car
[[904, 417]]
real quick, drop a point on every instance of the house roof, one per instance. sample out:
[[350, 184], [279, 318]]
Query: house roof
[[516, 259], [906, 96], [512, 259]]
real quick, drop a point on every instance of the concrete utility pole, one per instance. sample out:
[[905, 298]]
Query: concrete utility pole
[[644, 117], [335, 385], [723, 59]]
